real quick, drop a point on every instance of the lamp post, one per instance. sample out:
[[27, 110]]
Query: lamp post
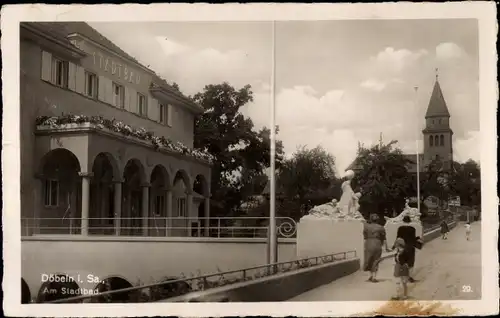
[[418, 155], [272, 238]]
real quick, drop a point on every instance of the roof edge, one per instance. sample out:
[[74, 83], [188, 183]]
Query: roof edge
[[188, 103], [39, 32]]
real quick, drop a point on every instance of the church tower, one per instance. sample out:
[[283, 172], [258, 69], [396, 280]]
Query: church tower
[[438, 136]]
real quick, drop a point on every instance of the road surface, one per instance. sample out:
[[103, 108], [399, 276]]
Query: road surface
[[444, 269]]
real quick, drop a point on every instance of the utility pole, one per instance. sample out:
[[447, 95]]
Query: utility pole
[[272, 237], [418, 155]]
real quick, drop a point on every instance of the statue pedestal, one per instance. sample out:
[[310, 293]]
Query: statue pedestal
[[391, 230], [322, 236]]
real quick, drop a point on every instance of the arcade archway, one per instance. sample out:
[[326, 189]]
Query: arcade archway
[[201, 204], [101, 212], [60, 202], [159, 201], [133, 198], [181, 204]]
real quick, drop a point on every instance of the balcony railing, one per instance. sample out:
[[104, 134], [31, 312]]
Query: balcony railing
[[220, 227]]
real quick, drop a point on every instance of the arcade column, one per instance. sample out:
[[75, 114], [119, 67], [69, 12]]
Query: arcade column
[[86, 176]]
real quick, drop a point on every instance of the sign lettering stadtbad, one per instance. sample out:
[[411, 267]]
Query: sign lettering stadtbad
[[121, 71]]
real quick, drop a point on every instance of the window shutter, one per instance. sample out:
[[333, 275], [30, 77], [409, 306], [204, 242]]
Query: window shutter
[[80, 80], [144, 104], [102, 89], [72, 76], [153, 112], [106, 90], [46, 66], [169, 115], [109, 91], [133, 100], [126, 99]]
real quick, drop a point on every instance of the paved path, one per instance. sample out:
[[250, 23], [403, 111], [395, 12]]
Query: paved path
[[444, 270]]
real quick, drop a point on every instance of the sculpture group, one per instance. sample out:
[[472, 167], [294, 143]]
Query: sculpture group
[[348, 207], [408, 211], [345, 209]]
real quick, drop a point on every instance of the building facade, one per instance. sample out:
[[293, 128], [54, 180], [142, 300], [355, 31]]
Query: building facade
[[437, 137], [106, 144]]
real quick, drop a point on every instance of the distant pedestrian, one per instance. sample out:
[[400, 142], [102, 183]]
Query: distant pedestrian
[[444, 230], [375, 237], [401, 269], [409, 235], [468, 230]]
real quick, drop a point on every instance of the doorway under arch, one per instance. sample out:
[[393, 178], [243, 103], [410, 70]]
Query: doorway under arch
[[181, 214], [132, 216], [101, 212], [60, 200], [160, 184], [200, 197]]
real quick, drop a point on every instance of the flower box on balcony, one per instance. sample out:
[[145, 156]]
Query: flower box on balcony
[[118, 128]]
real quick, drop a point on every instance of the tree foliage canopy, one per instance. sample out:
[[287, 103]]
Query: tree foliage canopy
[[308, 178], [241, 154], [383, 179], [465, 182], [433, 182]]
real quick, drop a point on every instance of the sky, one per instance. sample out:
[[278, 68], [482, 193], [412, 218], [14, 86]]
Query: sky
[[337, 83]]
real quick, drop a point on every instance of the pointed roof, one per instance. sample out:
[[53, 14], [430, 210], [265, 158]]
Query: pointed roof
[[437, 105]]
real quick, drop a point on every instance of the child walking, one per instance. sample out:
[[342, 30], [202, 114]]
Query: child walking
[[467, 231], [401, 270]]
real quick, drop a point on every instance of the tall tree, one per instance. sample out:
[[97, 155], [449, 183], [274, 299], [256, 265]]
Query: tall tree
[[465, 182], [383, 179], [306, 178], [434, 181], [239, 150]]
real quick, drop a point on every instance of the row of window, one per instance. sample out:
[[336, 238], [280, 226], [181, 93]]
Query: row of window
[[62, 73], [436, 140], [51, 199]]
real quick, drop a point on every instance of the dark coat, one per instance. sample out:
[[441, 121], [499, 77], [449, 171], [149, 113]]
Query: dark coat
[[444, 227], [409, 234]]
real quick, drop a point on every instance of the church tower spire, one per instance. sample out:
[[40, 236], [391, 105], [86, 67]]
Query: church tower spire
[[437, 105], [438, 136]]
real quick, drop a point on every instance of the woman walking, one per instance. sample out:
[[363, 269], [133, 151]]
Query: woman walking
[[375, 237], [444, 230], [409, 235]]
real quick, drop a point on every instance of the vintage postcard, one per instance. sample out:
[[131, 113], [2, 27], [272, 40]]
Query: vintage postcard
[[261, 159]]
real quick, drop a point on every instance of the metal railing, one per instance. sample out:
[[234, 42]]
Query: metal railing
[[244, 227], [436, 226], [177, 287], [214, 227]]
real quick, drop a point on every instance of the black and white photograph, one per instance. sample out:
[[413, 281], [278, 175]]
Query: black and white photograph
[[326, 161]]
